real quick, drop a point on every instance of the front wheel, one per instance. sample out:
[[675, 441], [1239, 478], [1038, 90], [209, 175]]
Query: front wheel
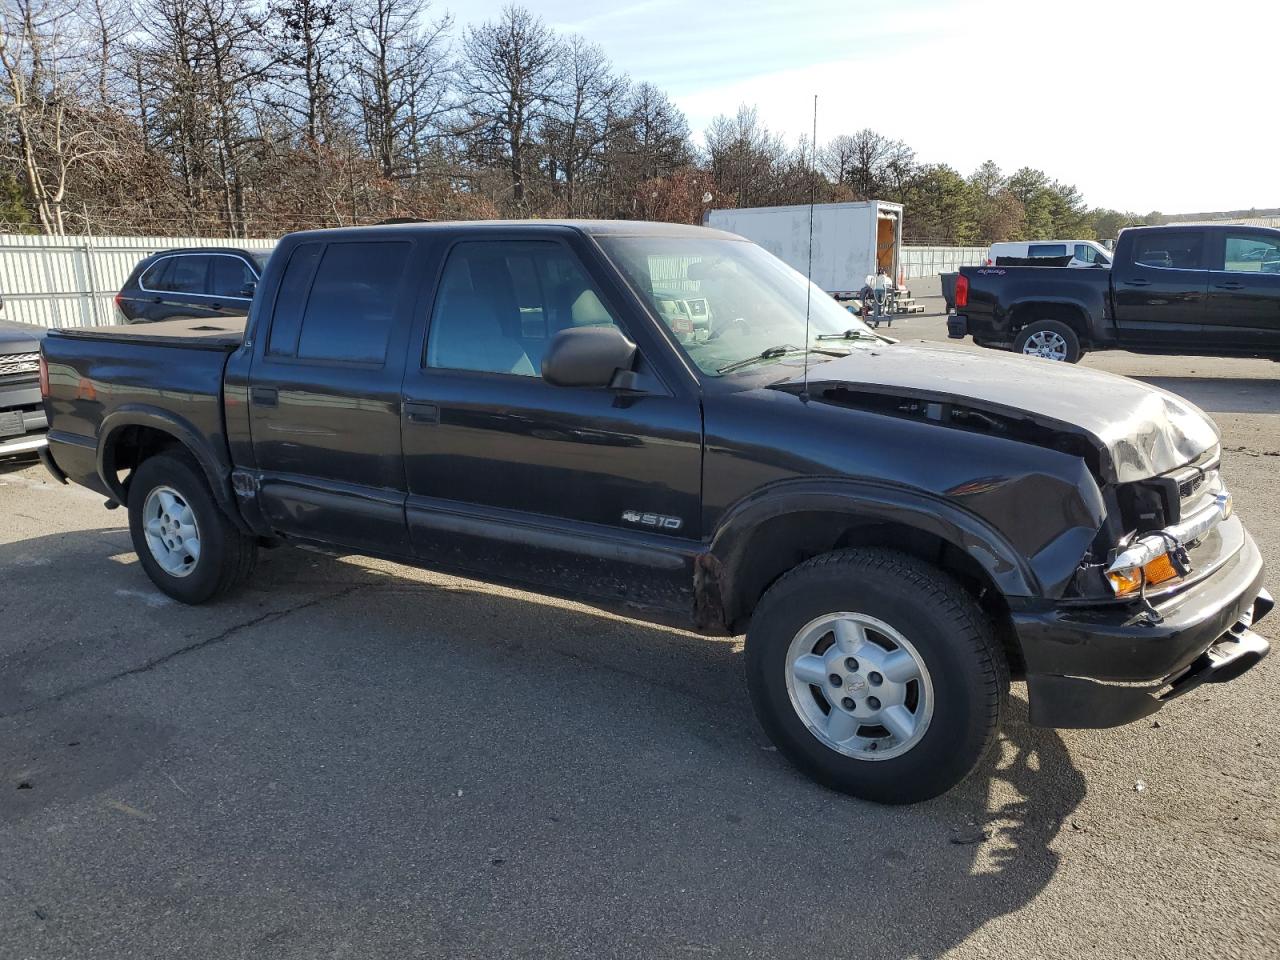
[[190, 549], [876, 674], [1051, 339]]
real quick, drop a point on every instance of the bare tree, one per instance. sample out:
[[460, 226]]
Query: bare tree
[[744, 156], [508, 76], [308, 46], [45, 103], [402, 81], [588, 107]]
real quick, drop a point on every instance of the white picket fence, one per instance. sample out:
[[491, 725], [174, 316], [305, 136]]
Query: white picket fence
[[69, 281]]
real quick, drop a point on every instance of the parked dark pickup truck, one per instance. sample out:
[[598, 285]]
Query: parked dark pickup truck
[[620, 413], [1201, 290]]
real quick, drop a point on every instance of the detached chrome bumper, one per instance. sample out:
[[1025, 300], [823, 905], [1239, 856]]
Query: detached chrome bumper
[[1152, 545]]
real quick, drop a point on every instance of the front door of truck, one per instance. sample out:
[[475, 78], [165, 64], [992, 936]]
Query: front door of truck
[[1244, 293], [324, 394], [1160, 290], [578, 490]]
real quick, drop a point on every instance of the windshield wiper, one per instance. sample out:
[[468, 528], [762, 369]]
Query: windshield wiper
[[851, 334], [774, 353]]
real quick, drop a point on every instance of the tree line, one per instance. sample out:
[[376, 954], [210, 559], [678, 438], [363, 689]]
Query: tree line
[[257, 117]]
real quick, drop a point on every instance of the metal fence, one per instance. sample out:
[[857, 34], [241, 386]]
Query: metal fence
[[69, 281], [931, 261]]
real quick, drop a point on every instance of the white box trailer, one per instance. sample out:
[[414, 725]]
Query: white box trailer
[[850, 240]]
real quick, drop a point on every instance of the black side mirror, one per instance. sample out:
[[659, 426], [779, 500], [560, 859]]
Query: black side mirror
[[248, 289], [587, 356]]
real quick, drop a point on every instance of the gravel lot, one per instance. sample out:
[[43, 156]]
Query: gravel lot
[[357, 759]]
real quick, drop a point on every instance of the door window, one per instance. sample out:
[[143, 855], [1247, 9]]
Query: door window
[[1086, 253], [1251, 253], [231, 277], [188, 275], [184, 274], [156, 276], [1173, 251], [500, 302], [352, 305], [337, 301]]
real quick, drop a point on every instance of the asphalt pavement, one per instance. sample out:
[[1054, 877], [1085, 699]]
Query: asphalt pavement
[[352, 758]]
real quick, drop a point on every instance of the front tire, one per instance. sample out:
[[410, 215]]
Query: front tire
[[190, 549], [876, 674], [1051, 339]]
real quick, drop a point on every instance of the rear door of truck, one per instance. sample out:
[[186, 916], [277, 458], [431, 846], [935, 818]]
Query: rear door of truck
[[324, 391], [1160, 287]]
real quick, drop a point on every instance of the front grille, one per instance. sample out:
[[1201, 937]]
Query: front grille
[[1199, 481], [17, 364]]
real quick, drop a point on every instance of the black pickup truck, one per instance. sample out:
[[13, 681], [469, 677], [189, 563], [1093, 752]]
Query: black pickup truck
[[668, 422], [1209, 290]]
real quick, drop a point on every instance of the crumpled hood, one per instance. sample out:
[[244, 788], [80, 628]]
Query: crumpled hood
[[1139, 430]]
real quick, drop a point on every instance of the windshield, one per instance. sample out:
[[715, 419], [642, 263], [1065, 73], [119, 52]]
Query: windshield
[[729, 303]]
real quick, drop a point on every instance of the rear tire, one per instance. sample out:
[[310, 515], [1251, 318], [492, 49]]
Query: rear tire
[[923, 682], [1051, 339], [190, 549]]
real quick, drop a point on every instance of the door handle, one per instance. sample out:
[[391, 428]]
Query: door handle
[[1136, 283], [421, 412], [1230, 285], [264, 396], [215, 306]]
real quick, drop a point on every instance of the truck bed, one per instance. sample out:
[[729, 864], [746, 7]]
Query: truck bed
[[224, 334]]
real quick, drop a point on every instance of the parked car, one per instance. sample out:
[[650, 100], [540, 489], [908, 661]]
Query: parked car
[[204, 282], [22, 415], [1079, 253], [1204, 290], [521, 403]]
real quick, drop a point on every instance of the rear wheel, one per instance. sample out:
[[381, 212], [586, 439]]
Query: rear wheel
[[1051, 339], [876, 674], [188, 546]]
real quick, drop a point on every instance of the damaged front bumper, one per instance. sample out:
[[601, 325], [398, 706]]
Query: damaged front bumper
[[1106, 665]]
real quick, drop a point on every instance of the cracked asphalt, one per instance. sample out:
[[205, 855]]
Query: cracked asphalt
[[356, 759]]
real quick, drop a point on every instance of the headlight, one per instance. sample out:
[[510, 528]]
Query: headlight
[[1129, 580]]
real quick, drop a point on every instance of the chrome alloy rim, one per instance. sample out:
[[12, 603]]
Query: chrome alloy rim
[[859, 686], [1047, 344], [172, 534]]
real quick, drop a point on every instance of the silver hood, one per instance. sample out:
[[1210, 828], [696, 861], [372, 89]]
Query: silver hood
[[1139, 430]]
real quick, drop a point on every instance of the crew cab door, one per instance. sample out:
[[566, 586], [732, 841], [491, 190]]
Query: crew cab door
[[324, 394], [1159, 289], [1244, 292], [581, 491]]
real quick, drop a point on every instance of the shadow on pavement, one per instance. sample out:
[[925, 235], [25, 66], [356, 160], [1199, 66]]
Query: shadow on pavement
[[347, 750], [1224, 394]]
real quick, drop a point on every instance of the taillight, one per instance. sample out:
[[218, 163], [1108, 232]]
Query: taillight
[[44, 376], [962, 291]]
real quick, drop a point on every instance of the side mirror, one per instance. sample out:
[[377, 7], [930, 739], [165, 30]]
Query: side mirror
[[587, 356], [249, 289]]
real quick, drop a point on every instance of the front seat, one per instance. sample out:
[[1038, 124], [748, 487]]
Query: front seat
[[470, 337]]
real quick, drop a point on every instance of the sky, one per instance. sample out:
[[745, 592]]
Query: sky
[[1169, 106]]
